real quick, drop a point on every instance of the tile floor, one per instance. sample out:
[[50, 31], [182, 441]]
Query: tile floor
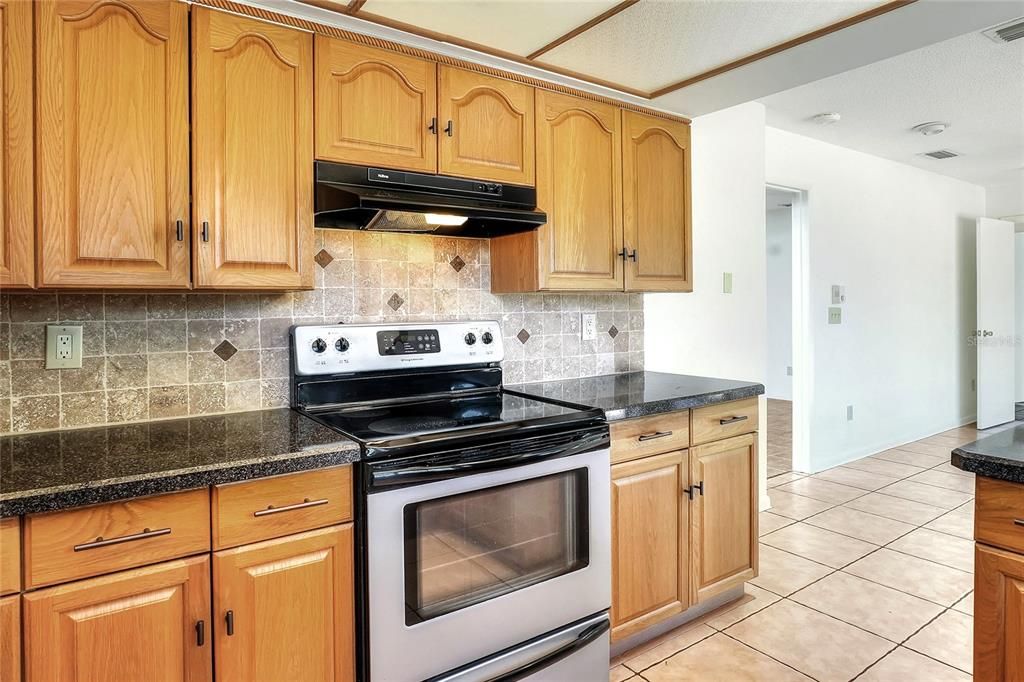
[[866, 573], [780, 437]]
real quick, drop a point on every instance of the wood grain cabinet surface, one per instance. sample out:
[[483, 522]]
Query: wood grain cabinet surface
[[10, 555], [998, 615], [112, 130], [252, 153], [10, 638]]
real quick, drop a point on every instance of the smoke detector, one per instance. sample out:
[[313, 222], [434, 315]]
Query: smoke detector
[[826, 119], [1005, 33], [930, 128]]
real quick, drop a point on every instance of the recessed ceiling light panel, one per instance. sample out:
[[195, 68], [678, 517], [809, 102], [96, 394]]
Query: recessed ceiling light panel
[[930, 128]]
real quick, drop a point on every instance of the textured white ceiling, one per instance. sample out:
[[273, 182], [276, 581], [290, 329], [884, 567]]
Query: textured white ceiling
[[970, 82], [517, 26]]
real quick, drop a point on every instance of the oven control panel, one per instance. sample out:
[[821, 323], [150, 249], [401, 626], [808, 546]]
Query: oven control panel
[[338, 348]]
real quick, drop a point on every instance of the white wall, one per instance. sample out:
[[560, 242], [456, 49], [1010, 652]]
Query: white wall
[[902, 241], [1019, 284], [708, 332], [1006, 199], [779, 246]]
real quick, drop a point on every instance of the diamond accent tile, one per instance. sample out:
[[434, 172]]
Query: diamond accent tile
[[458, 264], [613, 331], [323, 259], [225, 350], [395, 302], [523, 336]]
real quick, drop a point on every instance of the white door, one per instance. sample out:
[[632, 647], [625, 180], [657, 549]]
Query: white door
[[995, 329]]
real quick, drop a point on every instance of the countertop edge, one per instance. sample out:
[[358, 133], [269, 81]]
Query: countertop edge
[[988, 466], [683, 403]]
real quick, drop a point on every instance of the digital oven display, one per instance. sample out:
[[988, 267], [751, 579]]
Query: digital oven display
[[408, 342]]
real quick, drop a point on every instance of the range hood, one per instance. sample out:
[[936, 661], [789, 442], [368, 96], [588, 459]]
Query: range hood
[[360, 198]]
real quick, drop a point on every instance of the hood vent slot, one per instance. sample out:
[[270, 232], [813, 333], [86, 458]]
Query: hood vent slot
[[1006, 33], [940, 154]]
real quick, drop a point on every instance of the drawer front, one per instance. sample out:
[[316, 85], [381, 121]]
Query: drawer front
[[271, 507], [636, 438], [999, 513], [67, 545], [10, 555], [724, 420]]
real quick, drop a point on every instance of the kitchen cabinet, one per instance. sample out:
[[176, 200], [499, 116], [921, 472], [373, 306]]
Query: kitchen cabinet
[[285, 608], [252, 153], [17, 219], [998, 615], [112, 134], [10, 638], [144, 624]]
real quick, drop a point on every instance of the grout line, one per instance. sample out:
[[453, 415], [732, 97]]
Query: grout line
[[736, 639]]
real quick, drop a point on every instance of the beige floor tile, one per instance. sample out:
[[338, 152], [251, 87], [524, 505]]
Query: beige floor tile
[[878, 609], [671, 643], [949, 638], [926, 494], [959, 522], [950, 469], [722, 659], [915, 576], [884, 467], [942, 441], [965, 605], [939, 547], [917, 459], [904, 665], [865, 480], [930, 449], [942, 479], [752, 601], [768, 522], [782, 479], [619, 673], [784, 573], [878, 530], [815, 644], [822, 490], [795, 506], [897, 508], [818, 544]]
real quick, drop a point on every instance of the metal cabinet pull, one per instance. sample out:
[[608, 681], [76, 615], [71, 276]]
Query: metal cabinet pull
[[450, 128], [732, 420], [694, 489], [229, 621], [1018, 522], [200, 633], [433, 126], [632, 255], [652, 436], [179, 230], [205, 231], [101, 542], [305, 504]]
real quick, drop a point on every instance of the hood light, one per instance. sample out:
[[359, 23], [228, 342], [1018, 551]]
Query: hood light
[[448, 220]]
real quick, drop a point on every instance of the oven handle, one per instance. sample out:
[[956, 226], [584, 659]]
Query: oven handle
[[564, 651]]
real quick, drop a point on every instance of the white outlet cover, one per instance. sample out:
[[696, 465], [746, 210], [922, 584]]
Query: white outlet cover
[[588, 327], [55, 335]]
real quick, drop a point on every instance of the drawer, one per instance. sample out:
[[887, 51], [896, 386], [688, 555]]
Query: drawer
[[724, 420], [999, 513], [271, 507], [10, 555], [67, 545], [635, 438]]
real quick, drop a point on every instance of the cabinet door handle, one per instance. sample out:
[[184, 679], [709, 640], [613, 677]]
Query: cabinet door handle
[[623, 254], [632, 255], [229, 621], [101, 542], [433, 126], [305, 504], [179, 230], [205, 231], [1018, 522], [200, 633], [652, 436], [450, 128], [733, 420]]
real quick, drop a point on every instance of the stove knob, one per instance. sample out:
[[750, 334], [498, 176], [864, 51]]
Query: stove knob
[[341, 345], [487, 338], [470, 339], [319, 346]]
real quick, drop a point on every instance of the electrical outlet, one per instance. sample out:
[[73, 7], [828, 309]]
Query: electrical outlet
[[835, 315], [63, 346], [726, 282], [849, 413], [588, 330]]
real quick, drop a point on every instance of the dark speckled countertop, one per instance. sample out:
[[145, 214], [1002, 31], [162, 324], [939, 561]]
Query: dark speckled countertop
[[638, 394], [54, 470], [1000, 455]]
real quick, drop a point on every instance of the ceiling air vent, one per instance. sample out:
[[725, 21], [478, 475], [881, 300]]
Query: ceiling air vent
[[1005, 33], [940, 154]]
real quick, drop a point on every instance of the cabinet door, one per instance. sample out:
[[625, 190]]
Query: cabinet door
[[998, 615], [290, 605], [579, 181], [656, 203], [649, 542], [252, 153], [10, 638], [137, 625], [112, 112], [723, 522], [17, 239], [375, 107], [487, 128]]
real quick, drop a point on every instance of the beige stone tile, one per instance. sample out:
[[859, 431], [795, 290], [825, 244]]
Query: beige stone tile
[[904, 665], [884, 467], [897, 508], [168, 369], [126, 371], [939, 451], [619, 673], [168, 401], [242, 395], [815, 644], [795, 506], [949, 638], [917, 459], [30, 377], [35, 413], [768, 522], [672, 643], [942, 479], [822, 490], [753, 600], [83, 409], [784, 573], [721, 659], [922, 578], [128, 405], [206, 398], [782, 479], [89, 377], [926, 494], [965, 605], [877, 530], [878, 609], [818, 544], [938, 547], [856, 478]]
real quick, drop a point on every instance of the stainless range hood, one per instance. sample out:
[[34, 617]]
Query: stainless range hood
[[360, 198]]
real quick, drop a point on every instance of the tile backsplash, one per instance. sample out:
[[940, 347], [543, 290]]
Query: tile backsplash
[[153, 356]]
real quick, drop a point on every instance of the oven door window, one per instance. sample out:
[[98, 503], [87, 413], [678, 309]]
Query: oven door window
[[468, 548]]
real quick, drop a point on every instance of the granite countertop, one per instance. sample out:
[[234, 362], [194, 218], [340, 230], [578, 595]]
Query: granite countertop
[[1000, 455], [54, 470], [638, 394]]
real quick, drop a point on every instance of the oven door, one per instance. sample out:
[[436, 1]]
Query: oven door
[[463, 568]]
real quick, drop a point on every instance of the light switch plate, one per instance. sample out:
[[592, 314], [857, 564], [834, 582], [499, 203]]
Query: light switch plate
[[588, 329], [835, 315], [726, 282], [838, 294], [63, 346]]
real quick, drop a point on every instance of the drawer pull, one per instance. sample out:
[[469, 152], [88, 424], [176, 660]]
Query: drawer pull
[[100, 542], [1018, 522], [733, 420], [305, 504], [652, 436], [229, 621], [200, 633]]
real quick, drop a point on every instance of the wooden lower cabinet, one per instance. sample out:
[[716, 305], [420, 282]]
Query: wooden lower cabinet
[[138, 625], [998, 615], [284, 608], [650, 562], [10, 638]]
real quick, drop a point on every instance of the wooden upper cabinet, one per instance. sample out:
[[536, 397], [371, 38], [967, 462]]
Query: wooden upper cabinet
[[252, 153], [486, 127], [656, 203], [112, 114], [375, 107], [17, 227]]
